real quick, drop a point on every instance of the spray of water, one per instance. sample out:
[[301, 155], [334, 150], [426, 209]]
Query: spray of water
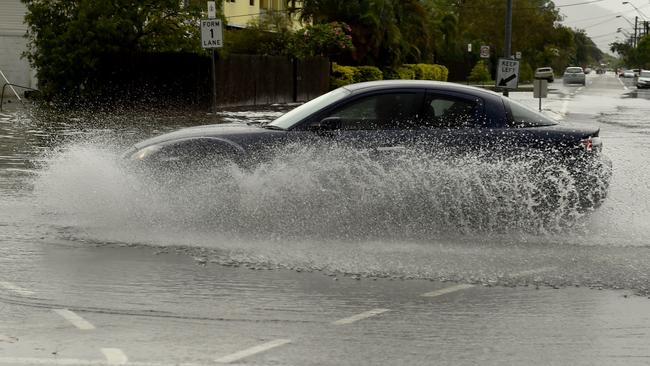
[[333, 209]]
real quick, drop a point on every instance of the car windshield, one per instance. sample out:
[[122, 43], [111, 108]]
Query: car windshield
[[645, 74], [297, 114], [573, 70]]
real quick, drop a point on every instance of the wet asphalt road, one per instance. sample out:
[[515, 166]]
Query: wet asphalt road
[[75, 302]]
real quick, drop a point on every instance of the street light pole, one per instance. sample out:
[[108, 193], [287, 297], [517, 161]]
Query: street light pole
[[507, 44], [508, 36]]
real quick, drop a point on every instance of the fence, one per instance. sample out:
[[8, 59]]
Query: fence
[[242, 80]]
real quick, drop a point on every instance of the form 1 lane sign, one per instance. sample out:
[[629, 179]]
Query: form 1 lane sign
[[508, 74], [211, 33]]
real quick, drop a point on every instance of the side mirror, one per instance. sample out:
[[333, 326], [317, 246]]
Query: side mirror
[[326, 124]]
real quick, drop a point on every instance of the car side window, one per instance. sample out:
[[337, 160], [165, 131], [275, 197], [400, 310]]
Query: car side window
[[397, 110], [447, 111]]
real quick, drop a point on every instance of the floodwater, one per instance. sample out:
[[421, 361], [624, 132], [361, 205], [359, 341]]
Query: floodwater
[[332, 210]]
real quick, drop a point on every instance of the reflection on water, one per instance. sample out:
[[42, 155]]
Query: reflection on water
[[317, 209]]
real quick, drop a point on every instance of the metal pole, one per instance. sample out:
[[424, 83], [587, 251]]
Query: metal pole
[[214, 84], [636, 20], [10, 86], [507, 44]]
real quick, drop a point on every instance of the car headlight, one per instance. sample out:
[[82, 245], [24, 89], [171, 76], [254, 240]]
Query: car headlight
[[145, 152]]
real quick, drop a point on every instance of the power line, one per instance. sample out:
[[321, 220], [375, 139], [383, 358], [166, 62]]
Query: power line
[[576, 4]]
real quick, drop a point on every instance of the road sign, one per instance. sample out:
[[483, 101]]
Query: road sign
[[540, 88], [507, 74], [518, 55], [469, 47], [485, 51], [211, 33], [212, 10]]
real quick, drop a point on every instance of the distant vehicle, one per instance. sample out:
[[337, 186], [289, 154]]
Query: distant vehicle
[[644, 79], [574, 75], [587, 70], [629, 74], [393, 115], [600, 70], [637, 72], [545, 73]]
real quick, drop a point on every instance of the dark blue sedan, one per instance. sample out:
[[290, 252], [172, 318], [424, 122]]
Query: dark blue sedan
[[392, 116]]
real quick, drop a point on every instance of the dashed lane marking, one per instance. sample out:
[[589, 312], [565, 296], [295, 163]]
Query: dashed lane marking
[[80, 362], [75, 319], [252, 351], [361, 316], [622, 84], [15, 288], [115, 356], [447, 290], [533, 271]]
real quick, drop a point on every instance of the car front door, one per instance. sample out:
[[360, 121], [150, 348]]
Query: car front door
[[379, 121]]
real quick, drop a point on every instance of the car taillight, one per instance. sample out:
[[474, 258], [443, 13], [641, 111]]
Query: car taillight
[[591, 144]]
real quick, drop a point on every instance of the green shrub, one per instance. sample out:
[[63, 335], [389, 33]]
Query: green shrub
[[428, 71], [342, 75], [526, 74], [368, 73], [479, 73]]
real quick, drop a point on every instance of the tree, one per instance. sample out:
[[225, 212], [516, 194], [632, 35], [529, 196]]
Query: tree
[[384, 32], [67, 39]]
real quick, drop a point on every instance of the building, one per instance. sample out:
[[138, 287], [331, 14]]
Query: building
[[239, 13], [12, 44]]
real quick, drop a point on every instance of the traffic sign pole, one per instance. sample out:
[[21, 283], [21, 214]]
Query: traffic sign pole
[[212, 37]]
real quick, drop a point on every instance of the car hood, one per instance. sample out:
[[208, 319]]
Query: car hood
[[226, 130]]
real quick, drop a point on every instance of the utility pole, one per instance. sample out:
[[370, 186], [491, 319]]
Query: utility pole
[[507, 44], [636, 22]]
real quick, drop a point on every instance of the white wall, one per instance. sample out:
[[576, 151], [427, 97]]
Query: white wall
[[12, 45]]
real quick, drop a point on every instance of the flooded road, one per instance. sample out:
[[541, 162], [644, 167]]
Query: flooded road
[[99, 267]]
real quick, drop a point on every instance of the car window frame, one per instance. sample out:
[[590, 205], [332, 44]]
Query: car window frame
[[479, 109]]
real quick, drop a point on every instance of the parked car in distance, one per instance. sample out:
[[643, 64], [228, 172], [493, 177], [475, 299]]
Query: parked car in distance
[[629, 74], [393, 116], [644, 79], [545, 73], [574, 75]]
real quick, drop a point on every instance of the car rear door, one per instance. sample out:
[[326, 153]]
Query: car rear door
[[455, 122]]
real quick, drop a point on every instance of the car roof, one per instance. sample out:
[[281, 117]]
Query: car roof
[[439, 85]]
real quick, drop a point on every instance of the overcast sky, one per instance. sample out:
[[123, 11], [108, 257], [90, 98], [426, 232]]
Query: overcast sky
[[598, 18]]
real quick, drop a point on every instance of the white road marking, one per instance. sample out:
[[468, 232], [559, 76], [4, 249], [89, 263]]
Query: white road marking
[[115, 356], [15, 288], [361, 316], [533, 271], [565, 106], [447, 290], [622, 83], [252, 351], [75, 319], [80, 362]]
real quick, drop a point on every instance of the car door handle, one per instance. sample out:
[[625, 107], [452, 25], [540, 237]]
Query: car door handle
[[391, 148]]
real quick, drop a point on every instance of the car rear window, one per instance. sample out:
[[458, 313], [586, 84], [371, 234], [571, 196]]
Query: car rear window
[[544, 69], [522, 116], [573, 70]]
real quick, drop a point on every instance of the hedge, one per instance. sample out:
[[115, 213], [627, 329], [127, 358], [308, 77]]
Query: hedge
[[344, 75]]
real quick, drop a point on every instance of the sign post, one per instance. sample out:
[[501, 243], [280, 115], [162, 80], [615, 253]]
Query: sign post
[[540, 90], [507, 74], [212, 38]]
